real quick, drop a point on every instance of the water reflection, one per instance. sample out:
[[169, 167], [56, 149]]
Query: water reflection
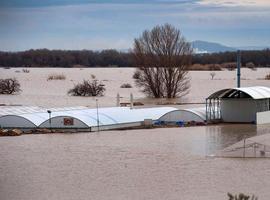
[[221, 136]]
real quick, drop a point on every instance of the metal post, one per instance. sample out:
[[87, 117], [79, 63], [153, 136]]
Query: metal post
[[131, 101], [238, 68], [206, 110], [97, 115], [254, 149], [210, 109], [50, 119], [244, 152], [117, 100]]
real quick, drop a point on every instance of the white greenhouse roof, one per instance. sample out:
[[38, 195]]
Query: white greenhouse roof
[[256, 92], [107, 116], [201, 112], [17, 110]]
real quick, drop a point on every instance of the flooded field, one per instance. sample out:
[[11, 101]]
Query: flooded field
[[37, 90], [166, 163]]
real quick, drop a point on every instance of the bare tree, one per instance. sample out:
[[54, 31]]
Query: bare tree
[[88, 88], [162, 56]]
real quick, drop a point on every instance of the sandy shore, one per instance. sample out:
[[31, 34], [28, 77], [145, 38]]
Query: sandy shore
[[36, 90]]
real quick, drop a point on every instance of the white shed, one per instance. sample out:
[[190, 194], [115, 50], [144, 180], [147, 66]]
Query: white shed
[[238, 105]]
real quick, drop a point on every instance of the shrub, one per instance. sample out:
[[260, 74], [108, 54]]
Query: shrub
[[214, 67], [9, 86], [126, 85], [56, 77], [25, 70], [251, 66], [136, 75], [241, 196], [88, 88], [93, 76], [267, 77], [208, 67], [229, 66]]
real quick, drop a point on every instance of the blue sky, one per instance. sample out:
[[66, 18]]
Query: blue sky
[[97, 24]]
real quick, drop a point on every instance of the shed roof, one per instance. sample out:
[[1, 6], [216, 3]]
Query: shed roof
[[256, 92]]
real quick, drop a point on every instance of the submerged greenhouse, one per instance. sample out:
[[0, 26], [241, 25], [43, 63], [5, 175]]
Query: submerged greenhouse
[[83, 118]]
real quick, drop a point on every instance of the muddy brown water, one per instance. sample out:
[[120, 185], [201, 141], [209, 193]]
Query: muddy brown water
[[166, 163]]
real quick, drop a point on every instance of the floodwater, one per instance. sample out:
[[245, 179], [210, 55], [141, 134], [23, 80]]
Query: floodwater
[[36, 90], [166, 163]]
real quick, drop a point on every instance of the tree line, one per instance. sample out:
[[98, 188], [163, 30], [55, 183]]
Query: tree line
[[65, 58], [260, 58], [114, 58]]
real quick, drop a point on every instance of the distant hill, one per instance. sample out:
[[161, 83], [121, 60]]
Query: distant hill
[[255, 48], [210, 47]]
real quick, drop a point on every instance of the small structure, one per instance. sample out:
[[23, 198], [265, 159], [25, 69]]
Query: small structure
[[254, 147], [239, 105]]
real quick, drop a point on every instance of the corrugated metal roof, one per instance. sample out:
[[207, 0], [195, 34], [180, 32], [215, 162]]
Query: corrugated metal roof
[[256, 92]]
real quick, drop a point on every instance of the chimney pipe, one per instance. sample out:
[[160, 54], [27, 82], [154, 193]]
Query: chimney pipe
[[238, 68]]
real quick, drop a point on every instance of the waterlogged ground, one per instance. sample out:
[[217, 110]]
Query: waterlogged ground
[[140, 164], [169, 163], [36, 90]]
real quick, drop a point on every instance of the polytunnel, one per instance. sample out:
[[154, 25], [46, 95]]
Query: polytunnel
[[78, 117], [185, 115]]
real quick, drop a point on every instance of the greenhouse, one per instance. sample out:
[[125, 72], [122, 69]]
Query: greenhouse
[[83, 118], [78, 117], [185, 115]]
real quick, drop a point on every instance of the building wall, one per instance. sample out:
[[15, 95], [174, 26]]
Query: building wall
[[263, 117], [238, 110], [181, 115]]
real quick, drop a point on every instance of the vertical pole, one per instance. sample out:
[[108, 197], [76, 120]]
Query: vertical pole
[[97, 115], [210, 109], [50, 116], [238, 68], [219, 109], [131, 101], [206, 110], [244, 152], [214, 110], [50, 119], [118, 100], [254, 149]]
